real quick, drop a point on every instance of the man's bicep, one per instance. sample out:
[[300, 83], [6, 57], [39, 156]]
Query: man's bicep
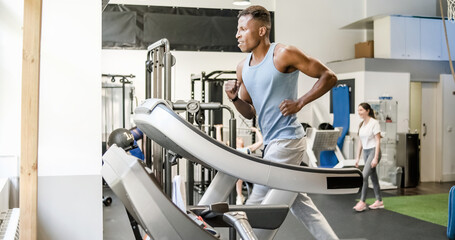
[[312, 67]]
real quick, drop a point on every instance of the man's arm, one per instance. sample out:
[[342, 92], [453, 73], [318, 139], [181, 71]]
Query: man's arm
[[289, 57], [236, 91]]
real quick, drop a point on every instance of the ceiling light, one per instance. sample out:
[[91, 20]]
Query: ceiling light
[[241, 2]]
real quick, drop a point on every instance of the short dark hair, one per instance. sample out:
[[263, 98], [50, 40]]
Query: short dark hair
[[259, 13]]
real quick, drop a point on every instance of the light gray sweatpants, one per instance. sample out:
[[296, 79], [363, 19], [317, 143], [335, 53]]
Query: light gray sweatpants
[[368, 156], [291, 152]]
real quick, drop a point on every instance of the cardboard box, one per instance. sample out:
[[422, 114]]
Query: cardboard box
[[364, 50]]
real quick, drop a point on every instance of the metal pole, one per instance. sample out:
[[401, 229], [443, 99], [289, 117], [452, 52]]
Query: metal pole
[[123, 101], [189, 172], [156, 150], [155, 68], [192, 87], [156, 51], [167, 96], [232, 140], [232, 133], [168, 185], [159, 73], [203, 87], [212, 133], [148, 94], [167, 75], [163, 42], [203, 101], [190, 182], [233, 144]]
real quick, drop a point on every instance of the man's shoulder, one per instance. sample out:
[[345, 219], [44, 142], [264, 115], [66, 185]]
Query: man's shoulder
[[285, 48], [284, 51], [240, 65]]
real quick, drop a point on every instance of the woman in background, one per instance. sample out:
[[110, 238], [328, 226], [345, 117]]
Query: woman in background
[[370, 143]]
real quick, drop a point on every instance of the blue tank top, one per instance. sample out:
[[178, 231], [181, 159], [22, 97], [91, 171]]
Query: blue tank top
[[268, 87]]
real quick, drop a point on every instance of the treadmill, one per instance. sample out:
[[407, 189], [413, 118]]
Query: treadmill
[[160, 123]]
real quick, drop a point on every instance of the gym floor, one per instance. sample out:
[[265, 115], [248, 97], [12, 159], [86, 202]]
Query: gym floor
[[348, 224], [374, 224]]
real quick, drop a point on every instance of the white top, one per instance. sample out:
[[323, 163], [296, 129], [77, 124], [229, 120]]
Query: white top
[[367, 133]]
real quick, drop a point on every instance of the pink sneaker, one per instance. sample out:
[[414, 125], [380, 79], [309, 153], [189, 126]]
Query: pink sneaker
[[377, 205], [360, 206]]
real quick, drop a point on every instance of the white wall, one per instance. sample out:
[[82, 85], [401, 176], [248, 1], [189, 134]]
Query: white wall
[[69, 147], [70, 90], [396, 85], [369, 86], [187, 63], [11, 21], [446, 89], [314, 27], [69, 113]]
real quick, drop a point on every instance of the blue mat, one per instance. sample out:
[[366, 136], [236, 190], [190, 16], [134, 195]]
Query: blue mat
[[341, 117]]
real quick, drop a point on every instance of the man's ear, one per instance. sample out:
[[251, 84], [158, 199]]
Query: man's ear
[[262, 31]]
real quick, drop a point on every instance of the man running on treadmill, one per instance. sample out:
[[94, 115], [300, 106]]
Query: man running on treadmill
[[266, 87]]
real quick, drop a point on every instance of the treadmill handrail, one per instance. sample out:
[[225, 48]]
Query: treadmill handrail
[[151, 116], [140, 109]]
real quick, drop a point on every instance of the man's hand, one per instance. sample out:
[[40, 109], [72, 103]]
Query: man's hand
[[231, 88], [288, 107]]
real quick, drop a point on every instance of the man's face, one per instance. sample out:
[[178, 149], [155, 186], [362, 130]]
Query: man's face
[[247, 33]]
